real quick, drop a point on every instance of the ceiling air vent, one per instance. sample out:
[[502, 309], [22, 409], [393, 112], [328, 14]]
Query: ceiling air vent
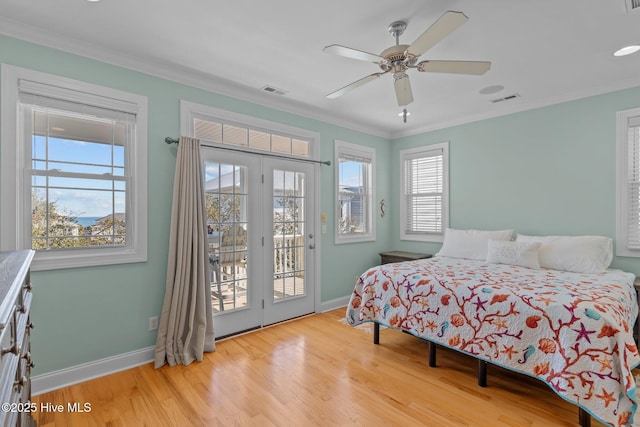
[[506, 98], [632, 5], [274, 90]]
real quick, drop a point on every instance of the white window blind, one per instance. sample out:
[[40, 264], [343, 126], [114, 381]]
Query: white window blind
[[633, 189], [78, 157], [424, 193], [253, 138], [628, 184]]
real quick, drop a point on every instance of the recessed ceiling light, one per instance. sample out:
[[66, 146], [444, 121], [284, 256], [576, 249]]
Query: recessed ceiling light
[[491, 89], [57, 129], [93, 1], [627, 50]]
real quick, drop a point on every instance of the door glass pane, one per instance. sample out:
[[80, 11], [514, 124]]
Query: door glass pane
[[288, 234], [226, 197]]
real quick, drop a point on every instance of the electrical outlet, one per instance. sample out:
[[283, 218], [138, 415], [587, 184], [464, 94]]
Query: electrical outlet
[[153, 323]]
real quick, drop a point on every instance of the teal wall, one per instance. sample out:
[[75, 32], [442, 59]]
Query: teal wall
[[81, 315], [546, 171]]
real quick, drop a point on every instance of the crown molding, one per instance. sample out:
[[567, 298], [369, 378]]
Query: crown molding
[[520, 107], [220, 86], [182, 75]]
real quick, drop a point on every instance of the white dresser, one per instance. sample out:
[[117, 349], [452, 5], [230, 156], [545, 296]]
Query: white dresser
[[15, 326]]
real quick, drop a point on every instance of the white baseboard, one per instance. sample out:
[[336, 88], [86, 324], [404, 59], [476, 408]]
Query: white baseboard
[[88, 371], [98, 368], [334, 303]]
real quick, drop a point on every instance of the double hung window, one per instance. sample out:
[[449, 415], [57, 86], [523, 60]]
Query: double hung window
[[424, 193], [75, 166], [355, 165]]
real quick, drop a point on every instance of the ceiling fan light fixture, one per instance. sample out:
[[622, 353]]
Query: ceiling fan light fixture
[[627, 50], [404, 114]]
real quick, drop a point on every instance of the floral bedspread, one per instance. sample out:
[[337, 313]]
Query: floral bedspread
[[572, 331]]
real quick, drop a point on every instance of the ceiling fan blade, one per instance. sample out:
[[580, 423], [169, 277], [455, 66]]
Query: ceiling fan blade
[[436, 32], [348, 52], [456, 67], [352, 86], [403, 91]]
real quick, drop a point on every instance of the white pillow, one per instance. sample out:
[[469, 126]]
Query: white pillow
[[470, 244], [580, 254], [524, 254]]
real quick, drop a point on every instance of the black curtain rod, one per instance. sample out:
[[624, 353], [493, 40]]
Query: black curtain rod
[[170, 140]]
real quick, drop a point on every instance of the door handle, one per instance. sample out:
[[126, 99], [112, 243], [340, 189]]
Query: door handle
[[312, 246]]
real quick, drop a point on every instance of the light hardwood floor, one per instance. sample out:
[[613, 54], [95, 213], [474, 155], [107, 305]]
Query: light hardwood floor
[[313, 371]]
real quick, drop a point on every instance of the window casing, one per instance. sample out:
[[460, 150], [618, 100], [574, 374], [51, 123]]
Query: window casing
[[424, 193], [74, 166], [628, 183], [355, 192]]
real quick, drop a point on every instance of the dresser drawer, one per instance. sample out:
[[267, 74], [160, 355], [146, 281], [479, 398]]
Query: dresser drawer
[[15, 347], [9, 362], [22, 319]]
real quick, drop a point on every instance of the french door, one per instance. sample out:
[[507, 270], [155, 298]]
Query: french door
[[289, 250], [260, 229]]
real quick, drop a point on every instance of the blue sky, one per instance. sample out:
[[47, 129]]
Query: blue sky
[[81, 197], [351, 174]]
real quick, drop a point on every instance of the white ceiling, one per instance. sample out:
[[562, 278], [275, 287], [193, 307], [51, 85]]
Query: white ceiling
[[546, 51]]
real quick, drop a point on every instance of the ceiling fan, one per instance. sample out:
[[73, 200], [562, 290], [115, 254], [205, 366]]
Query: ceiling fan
[[401, 57]]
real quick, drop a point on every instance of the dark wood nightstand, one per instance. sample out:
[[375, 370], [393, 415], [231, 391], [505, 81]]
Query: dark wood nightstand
[[399, 256]]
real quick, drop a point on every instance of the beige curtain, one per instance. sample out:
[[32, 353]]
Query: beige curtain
[[186, 323]]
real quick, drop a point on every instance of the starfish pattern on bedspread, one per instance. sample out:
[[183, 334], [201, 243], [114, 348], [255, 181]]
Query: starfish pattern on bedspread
[[573, 331]]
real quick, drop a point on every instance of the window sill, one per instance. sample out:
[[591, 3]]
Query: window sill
[[359, 239], [628, 253], [421, 238], [76, 259]]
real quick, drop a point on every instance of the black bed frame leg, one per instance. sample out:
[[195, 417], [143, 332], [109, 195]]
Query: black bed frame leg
[[376, 333], [584, 418], [482, 373], [432, 354]]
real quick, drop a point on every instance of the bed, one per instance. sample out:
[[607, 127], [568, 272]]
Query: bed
[[572, 330]]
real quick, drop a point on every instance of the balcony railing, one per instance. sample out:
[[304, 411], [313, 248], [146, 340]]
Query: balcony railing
[[288, 255], [229, 279]]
